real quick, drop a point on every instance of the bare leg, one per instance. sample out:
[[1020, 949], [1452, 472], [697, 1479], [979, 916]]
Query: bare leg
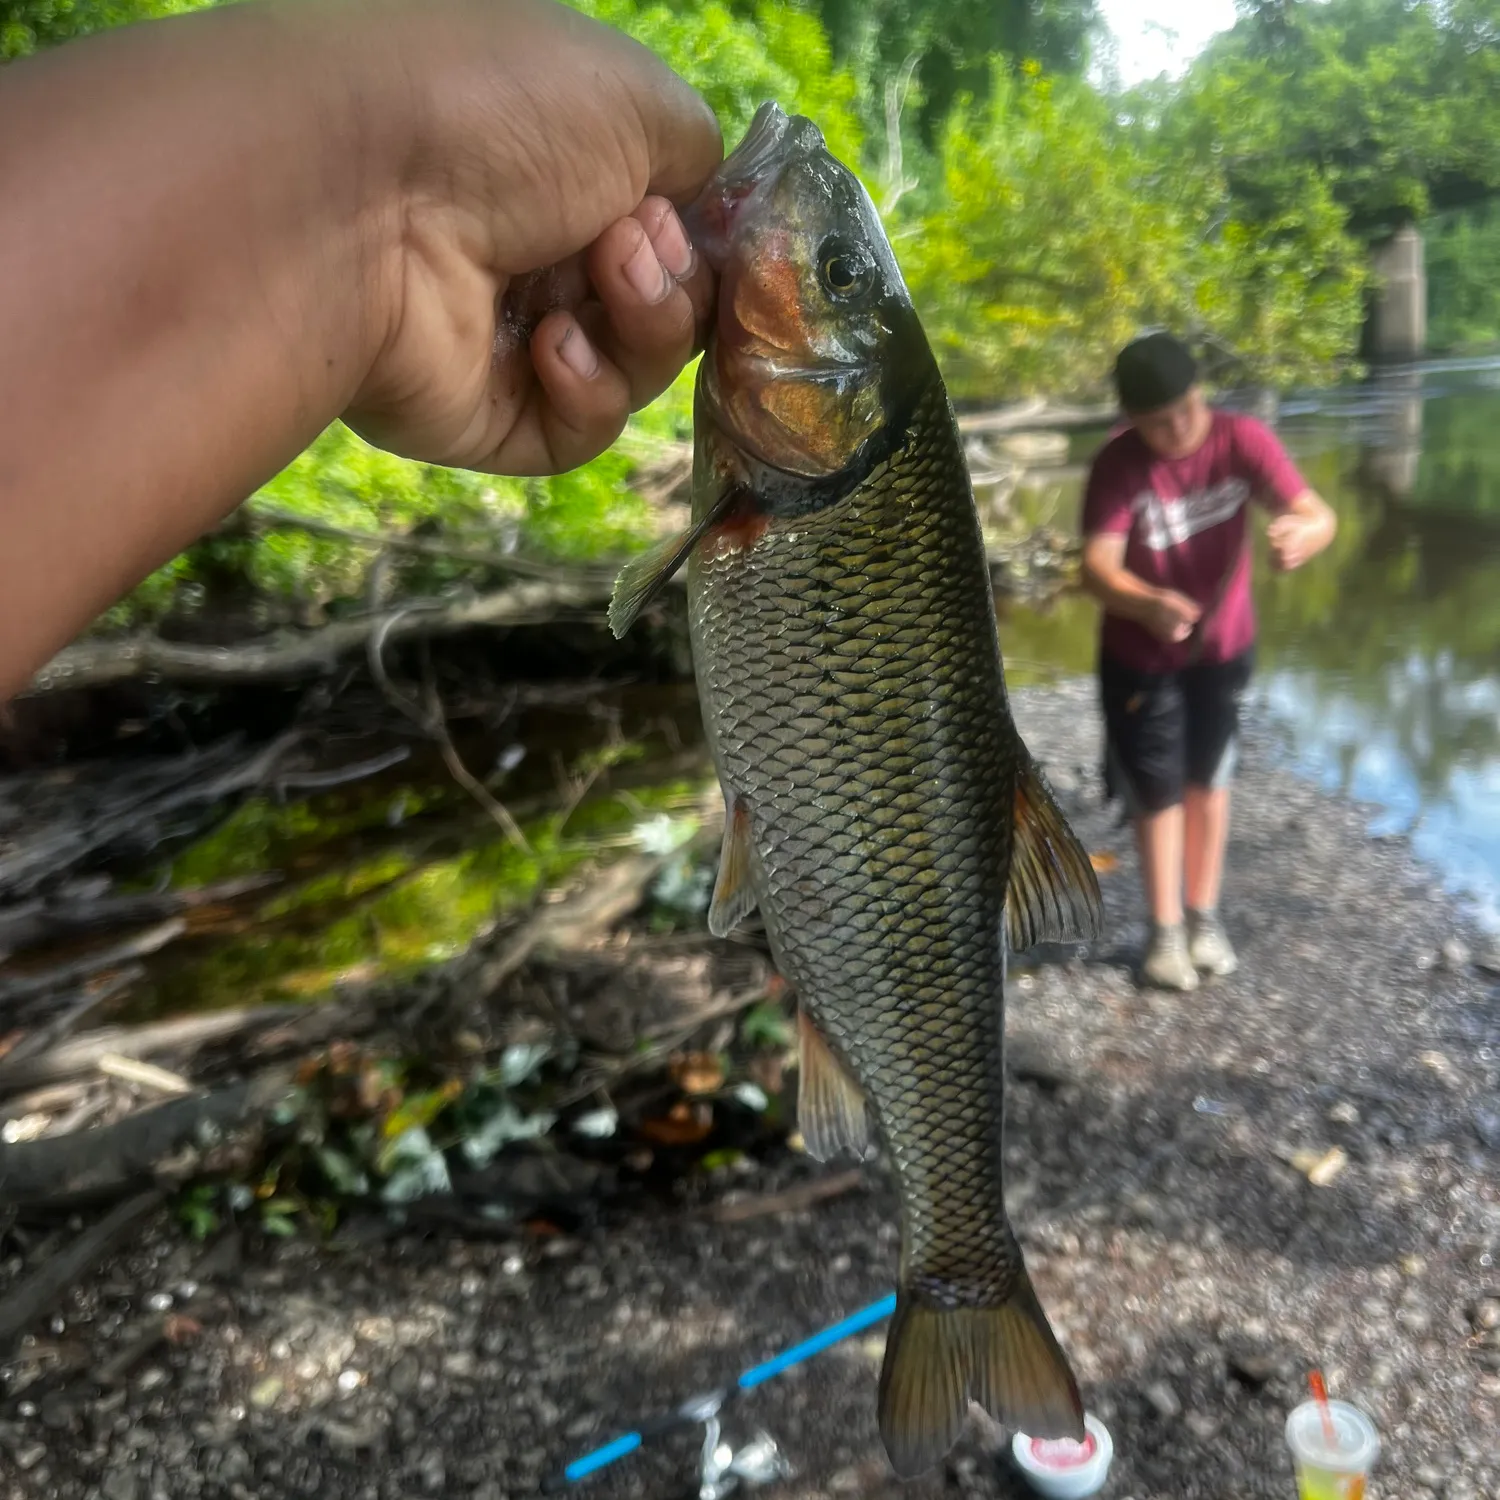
[[1159, 838], [1205, 834]]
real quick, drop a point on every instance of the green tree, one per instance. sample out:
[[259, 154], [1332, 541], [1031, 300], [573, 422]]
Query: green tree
[[1394, 103], [1053, 230], [27, 26]]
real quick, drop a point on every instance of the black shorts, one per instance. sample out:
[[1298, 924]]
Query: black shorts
[[1168, 730]]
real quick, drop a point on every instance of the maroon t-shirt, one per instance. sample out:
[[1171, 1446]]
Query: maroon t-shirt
[[1186, 519]]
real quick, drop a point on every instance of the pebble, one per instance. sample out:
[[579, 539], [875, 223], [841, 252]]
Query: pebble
[[1164, 1399], [120, 1484], [1454, 953], [266, 1392], [405, 1376]]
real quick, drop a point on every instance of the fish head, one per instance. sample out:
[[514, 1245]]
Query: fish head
[[813, 314]]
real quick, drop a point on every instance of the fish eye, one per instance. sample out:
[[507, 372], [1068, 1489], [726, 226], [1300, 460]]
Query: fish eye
[[844, 271]]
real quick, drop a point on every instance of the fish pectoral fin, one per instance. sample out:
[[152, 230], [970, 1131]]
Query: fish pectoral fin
[[831, 1110], [937, 1359], [642, 578], [1053, 893], [733, 900]]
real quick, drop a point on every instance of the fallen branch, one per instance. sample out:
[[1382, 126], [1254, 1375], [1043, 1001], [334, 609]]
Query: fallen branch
[[79, 1058], [153, 940], [804, 1195], [29, 1301], [166, 1138], [288, 657], [90, 998], [44, 921], [67, 843]]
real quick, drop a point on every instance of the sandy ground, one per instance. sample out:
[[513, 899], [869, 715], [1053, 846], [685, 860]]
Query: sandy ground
[[1192, 1271]]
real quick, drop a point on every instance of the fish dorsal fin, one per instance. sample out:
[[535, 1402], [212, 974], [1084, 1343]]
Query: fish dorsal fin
[[1053, 893], [733, 899], [639, 581], [831, 1111]]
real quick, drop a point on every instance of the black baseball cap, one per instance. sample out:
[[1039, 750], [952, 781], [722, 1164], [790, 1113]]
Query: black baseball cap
[[1153, 371]]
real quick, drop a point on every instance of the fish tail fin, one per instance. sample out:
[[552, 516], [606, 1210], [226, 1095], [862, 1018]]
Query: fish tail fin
[[938, 1359]]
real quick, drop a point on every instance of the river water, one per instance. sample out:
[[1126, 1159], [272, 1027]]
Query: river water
[[1380, 661]]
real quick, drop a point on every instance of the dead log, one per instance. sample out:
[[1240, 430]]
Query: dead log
[[166, 1139], [287, 656]]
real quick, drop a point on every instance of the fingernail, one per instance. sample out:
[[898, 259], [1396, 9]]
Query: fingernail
[[577, 353], [673, 248], [647, 274]]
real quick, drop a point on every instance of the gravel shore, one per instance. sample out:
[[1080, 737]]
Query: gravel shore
[[1159, 1146]]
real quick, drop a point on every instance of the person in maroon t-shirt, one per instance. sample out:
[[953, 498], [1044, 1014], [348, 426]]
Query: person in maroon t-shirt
[[1167, 553]]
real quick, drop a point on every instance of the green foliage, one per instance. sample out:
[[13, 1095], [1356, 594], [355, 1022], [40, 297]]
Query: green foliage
[[739, 56], [1055, 231], [1396, 105], [27, 26], [1463, 279]]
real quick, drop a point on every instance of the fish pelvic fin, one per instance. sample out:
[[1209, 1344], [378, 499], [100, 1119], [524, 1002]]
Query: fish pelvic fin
[[643, 577], [831, 1110], [733, 899], [939, 1359], [1053, 893]]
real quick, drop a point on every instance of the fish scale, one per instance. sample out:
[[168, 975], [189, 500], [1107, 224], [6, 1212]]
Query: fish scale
[[881, 831]]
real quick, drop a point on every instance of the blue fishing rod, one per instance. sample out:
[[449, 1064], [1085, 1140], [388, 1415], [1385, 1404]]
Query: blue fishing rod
[[701, 1410]]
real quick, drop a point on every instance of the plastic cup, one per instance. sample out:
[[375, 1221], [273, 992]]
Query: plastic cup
[[1337, 1471], [1064, 1470]]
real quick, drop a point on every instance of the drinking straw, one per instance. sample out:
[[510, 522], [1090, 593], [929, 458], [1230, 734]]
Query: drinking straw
[[1320, 1395]]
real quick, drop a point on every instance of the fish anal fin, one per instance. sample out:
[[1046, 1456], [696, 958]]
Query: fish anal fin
[[831, 1110], [733, 900], [937, 1358], [1053, 893]]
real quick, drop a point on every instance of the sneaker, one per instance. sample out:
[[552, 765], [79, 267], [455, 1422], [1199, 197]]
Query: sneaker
[[1167, 964], [1208, 944]]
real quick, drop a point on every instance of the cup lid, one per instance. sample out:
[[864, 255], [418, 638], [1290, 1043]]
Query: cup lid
[[1357, 1446]]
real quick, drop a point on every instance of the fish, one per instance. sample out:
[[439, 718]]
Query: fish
[[881, 811]]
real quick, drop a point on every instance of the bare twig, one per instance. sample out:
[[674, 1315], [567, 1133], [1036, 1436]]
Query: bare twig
[[804, 1195], [322, 781], [433, 722], [145, 1075]]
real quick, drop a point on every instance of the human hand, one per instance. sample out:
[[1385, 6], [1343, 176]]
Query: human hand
[[1294, 539], [536, 284], [1170, 616]]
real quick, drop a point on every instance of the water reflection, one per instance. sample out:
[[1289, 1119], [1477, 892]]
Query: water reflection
[[1381, 660]]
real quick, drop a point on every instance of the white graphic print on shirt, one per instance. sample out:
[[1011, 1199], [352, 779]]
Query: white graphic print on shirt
[[1169, 523]]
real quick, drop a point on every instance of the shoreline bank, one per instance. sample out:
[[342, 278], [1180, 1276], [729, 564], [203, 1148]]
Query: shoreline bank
[[1191, 1268]]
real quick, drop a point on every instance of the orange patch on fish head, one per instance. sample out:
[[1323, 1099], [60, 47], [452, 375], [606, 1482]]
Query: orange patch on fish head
[[785, 384]]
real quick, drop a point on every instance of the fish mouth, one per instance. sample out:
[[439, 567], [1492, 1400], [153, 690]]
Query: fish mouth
[[773, 139]]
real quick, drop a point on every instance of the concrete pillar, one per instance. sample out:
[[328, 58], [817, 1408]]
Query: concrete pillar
[[1393, 456], [1398, 320]]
